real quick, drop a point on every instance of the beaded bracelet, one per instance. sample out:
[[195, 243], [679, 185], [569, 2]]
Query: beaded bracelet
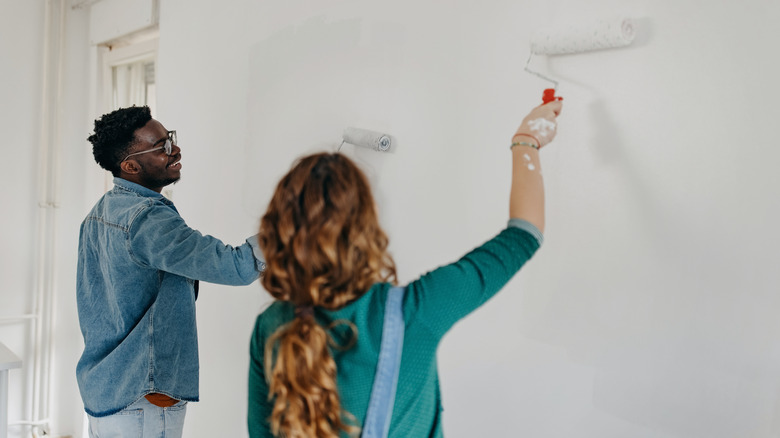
[[522, 143], [538, 143]]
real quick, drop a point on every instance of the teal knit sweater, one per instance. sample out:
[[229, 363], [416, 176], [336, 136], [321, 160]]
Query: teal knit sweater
[[432, 305]]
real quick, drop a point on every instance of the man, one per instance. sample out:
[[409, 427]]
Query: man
[[138, 270]]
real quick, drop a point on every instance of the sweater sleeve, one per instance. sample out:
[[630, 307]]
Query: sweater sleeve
[[259, 406], [441, 297]]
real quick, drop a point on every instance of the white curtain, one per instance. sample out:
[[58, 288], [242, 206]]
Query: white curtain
[[132, 84]]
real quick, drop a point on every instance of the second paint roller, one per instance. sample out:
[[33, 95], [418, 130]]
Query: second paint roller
[[601, 34], [367, 139]]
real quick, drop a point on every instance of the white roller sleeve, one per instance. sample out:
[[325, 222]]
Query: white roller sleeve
[[367, 139], [602, 34]]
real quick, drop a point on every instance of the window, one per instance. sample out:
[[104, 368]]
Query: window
[[133, 84], [129, 75]]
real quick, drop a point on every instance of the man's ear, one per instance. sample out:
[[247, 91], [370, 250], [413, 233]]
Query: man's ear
[[130, 167]]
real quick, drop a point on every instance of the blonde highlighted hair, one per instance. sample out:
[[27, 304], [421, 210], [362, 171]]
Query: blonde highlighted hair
[[323, 248]]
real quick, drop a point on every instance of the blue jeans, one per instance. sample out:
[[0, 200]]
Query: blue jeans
[[140, 420]]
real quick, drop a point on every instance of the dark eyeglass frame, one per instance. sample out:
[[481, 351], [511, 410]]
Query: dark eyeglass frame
[[170, 142]]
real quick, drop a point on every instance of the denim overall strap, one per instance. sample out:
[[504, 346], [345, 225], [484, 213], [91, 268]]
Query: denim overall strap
[[380, 405]]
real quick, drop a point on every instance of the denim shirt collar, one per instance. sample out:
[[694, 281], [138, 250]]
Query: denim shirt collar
[[124, 184]]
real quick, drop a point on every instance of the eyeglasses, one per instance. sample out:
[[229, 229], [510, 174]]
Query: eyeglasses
[[170, 142]]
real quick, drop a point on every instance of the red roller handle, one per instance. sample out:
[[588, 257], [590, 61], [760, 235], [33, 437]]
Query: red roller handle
[[549, 95]]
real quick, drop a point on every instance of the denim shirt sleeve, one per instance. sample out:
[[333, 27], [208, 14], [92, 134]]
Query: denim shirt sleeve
[[259, 258], [159, 238]]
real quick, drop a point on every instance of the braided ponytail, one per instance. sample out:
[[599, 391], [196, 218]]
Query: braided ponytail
[[302, 380], [323, 247]]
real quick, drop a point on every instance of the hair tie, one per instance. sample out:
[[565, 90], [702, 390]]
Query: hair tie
[[304, 311]]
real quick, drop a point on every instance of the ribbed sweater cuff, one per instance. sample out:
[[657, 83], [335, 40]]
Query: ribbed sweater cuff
[[527, 227]]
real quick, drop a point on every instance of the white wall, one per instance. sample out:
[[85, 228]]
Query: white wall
[[650, 310], [78, 172], [22, 120], [20, 48]]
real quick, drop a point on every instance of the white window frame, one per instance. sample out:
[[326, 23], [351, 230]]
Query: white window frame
[[113, 56], [139, 48]]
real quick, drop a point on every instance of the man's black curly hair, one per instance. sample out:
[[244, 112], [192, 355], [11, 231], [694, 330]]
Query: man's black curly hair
[[115, 133]]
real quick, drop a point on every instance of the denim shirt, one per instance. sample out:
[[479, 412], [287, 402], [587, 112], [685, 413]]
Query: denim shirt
[[138, 263]]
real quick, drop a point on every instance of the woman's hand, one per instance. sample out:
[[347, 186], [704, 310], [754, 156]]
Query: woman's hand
[[540, 125]]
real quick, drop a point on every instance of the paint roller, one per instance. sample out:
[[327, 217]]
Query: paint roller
[[367, 139], [602, 34]]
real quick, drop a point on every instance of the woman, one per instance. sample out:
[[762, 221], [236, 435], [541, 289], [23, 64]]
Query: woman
[[314, 350]]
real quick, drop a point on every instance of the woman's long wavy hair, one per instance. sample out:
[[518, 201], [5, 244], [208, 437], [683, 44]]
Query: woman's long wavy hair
[[323, 248]]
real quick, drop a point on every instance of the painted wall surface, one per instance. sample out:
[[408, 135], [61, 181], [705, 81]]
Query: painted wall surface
[[650, 311], [23, 54], [21, 72], [77, 168]]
